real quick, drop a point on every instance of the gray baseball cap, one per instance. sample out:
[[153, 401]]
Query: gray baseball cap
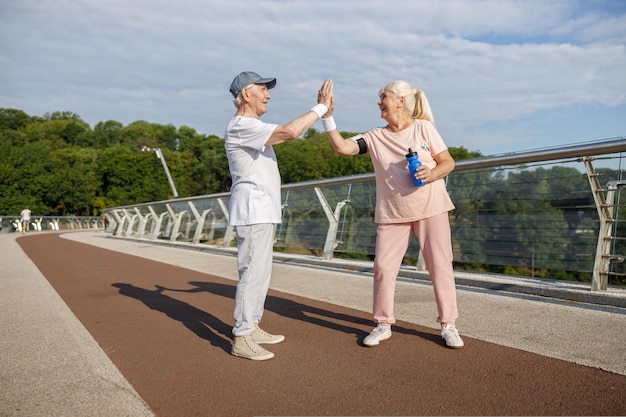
[[248, 77]]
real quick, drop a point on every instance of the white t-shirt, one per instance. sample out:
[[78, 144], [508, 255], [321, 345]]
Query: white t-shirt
[[397, 199], [25, 215], [255, 192]]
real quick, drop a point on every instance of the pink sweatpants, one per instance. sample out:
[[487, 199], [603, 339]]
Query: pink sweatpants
[[392, 242]]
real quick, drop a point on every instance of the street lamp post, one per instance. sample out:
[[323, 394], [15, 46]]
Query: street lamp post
[[159, 154]]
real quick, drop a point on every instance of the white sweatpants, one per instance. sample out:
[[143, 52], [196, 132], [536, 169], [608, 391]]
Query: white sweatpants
[[255, 244]]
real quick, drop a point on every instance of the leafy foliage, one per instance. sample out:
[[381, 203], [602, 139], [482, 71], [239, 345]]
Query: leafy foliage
[[58, 165]]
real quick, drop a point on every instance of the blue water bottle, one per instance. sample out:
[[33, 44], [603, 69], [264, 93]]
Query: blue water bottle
[[414, 164]]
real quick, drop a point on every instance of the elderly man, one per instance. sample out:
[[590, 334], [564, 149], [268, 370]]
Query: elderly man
[[255, 203]]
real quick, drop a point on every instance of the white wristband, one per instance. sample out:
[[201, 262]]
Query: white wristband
[[319, 109], [329, 124]]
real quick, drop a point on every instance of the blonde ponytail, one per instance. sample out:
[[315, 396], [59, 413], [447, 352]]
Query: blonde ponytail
[[422, 109]]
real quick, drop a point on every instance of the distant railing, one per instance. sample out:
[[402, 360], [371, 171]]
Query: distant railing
[[10, 224], [558, 209]]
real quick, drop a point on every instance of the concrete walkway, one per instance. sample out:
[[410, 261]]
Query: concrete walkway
[[50, 364]]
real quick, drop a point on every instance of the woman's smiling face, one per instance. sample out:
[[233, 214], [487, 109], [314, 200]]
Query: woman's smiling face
[[388, 104]]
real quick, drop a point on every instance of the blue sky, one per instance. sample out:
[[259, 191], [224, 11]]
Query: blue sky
[[501, 75]]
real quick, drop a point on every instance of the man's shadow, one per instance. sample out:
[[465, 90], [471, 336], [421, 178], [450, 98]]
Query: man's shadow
[[203, 324], [287, 308]]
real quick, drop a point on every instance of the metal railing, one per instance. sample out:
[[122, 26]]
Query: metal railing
[[10, 224], [554, 209]]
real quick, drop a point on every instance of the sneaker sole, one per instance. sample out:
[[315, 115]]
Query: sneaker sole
[[377, 343], [270, 355]]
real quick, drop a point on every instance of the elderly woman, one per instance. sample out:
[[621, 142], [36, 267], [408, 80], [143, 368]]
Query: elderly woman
[[403, 209]]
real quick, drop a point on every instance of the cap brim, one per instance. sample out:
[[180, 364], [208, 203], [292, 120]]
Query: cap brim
[[269, 82]]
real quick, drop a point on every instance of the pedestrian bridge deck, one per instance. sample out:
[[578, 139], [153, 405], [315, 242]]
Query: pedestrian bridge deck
[[100, 326]]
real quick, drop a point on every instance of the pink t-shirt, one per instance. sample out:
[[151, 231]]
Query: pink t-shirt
[[397, 199]]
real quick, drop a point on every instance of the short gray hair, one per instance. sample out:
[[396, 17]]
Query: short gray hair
[[238, 101]]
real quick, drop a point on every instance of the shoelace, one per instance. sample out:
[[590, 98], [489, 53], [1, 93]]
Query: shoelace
[[379, 330], [263, 332], [255, 348], [451, 334], [449, 329]]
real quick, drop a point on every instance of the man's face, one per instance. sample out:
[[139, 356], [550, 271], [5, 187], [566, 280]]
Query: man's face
[[257, 97]]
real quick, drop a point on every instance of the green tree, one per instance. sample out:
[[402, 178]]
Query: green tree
[[25, 178], [130, 176], [107, 133], [142, 133], [13, 119], [73, 184]]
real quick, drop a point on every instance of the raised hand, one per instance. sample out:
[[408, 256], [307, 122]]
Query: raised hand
[[326, 95]]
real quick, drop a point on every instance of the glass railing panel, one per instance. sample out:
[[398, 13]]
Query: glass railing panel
[[527, 211]]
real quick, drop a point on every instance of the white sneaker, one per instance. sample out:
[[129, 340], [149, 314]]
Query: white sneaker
[[451, 335], [380, 333], [245, 347]]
